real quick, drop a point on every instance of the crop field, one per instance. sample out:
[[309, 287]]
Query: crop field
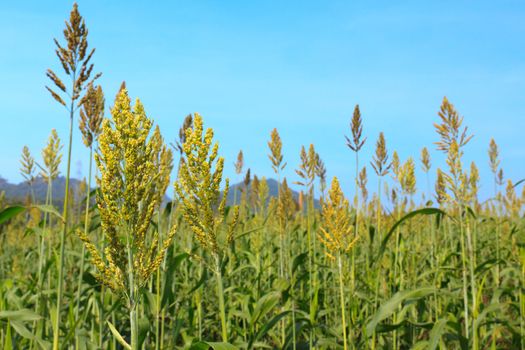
[[398, 262]]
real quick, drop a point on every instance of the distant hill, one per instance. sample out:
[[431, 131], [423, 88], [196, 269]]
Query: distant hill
[[17, 193], [273, 187]]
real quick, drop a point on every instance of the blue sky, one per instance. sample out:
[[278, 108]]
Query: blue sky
[[299, 66]]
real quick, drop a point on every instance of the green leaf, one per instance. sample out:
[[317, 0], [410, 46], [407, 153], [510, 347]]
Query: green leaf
[[25, 333], [23, 315], [424, 211], [519, 183], [436, 333], [10, 212], [388, 308], [117, 336], [201, 281], [8, 343], [205, 345], [49, 209], [143, 325], [172, 265], [470, 211], [268, 326], [298, 260], [250, 231], [264, 305]]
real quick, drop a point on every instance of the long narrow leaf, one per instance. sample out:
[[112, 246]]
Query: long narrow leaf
[[10, 212], [118, 337], [424, 211], [388, 308]]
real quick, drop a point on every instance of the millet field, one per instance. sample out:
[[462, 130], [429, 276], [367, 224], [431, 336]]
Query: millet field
[[397, 263]]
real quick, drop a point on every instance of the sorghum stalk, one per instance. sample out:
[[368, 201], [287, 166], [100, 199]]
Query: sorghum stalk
[[342, 296], [198, 189], [276, 158], [91, 116], [135, 168], [452, 139], [75, 62], [335, 235], [381, 167], [355, 144]]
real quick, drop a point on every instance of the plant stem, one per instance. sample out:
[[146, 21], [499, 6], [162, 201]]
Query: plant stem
[[342, 296], [132, 300], [86, 227], [56, 330], [220, 294]]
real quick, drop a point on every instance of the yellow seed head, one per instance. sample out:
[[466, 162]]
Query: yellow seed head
[[51, 157], [276, 157], [337, 227], [363, 179], [263, 192], [134, 166], [187, 124], [27, 165], [512, 202], [307, 167], [441, 188], [449, 129], [198, 186], [380, 159], [407, 177], [454, 160], [395, 165], [494, 156], [286, 205], [474, 180]]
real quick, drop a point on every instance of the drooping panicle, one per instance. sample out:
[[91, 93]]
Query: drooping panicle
[[75, 60]]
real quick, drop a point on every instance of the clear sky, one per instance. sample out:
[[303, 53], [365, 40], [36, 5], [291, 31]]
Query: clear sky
[[299, 66]]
